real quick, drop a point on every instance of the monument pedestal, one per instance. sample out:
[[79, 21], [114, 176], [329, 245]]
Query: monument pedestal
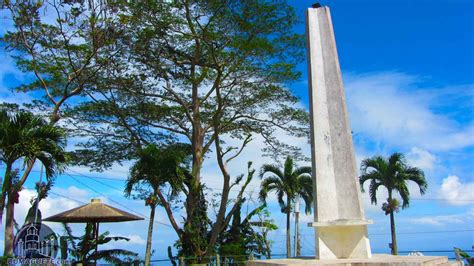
[[376, 260], [342, 239]]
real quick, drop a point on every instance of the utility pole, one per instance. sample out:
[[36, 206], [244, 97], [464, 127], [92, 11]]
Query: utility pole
[[297, 232]]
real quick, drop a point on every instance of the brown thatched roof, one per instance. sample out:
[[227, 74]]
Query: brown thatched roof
[[93, 212]]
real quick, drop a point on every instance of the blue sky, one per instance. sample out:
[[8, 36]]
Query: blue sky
[[408, 70]]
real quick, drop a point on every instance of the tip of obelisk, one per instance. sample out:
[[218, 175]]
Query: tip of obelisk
[[316, 5]]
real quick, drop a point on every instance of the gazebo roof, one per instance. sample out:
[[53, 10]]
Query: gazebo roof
[[94, 212]]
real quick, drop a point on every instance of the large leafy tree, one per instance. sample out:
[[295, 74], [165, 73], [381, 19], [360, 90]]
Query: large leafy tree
[[290, 182], [393, 173], [26, 137], [210, 73], [156, 170], [63, 45]]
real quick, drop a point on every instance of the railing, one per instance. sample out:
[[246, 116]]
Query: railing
[[217, 260]]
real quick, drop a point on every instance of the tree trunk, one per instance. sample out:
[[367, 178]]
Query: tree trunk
[[2, 205], [394, 237], [5, 188], [392, 226], [190, 246], [219, 223], [8, 243], [288, 236], [194, 189], [149, 236], [297, 234]]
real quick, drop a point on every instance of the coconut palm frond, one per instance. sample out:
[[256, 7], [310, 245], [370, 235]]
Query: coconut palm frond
[[392, 173], [418, 176], [115, 256], [271, 169]]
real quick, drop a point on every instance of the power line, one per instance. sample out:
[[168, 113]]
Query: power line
[[220, 189], [66, 197], [427, 232], [98, 177], [414, 233], [81, 175], [77, 174], [116, 202], [105, 184]]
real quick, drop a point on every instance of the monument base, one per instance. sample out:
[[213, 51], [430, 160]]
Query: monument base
[[375, 260], [342, 239]]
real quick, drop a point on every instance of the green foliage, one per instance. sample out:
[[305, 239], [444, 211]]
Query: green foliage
[[220, 75], [242, 237], [64, 44], [157, 167], [464, 254], [170, 256], [153, 73], [290, 182], [24, 136], [195, 236], [393, 174], [34, 214], [28, 137], [82, 248]]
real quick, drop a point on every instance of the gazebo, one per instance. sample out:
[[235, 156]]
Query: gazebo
[[95, 212]]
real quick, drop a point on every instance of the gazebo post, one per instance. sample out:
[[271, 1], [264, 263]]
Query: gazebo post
[[96, 240]]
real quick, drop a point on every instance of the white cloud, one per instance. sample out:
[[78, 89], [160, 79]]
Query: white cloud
[[253, 152], [73, 192], [440, 220], [456, 192], [118, 171], [421, 158], [49, 206], [135, 240], [389, 108]]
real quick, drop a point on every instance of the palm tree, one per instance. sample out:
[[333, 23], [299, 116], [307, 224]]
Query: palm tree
[[393, 174], [290, 182], [29, 138], [156, 168]]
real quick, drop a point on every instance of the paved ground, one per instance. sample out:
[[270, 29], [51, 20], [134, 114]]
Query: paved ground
[[376, 260]]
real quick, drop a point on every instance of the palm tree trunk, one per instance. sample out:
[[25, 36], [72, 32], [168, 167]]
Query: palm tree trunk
[[2, 205], [392, 227], [8, 243], [5, 187], [288, 237], [150, 235], [297, 234], [394, 237]]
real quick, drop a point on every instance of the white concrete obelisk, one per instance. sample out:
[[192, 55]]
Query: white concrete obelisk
[[339, 221]]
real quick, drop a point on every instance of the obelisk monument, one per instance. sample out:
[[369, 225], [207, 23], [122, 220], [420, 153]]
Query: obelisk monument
[[339, 220]]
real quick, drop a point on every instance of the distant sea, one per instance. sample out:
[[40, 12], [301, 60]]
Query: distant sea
[[447, 253]]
